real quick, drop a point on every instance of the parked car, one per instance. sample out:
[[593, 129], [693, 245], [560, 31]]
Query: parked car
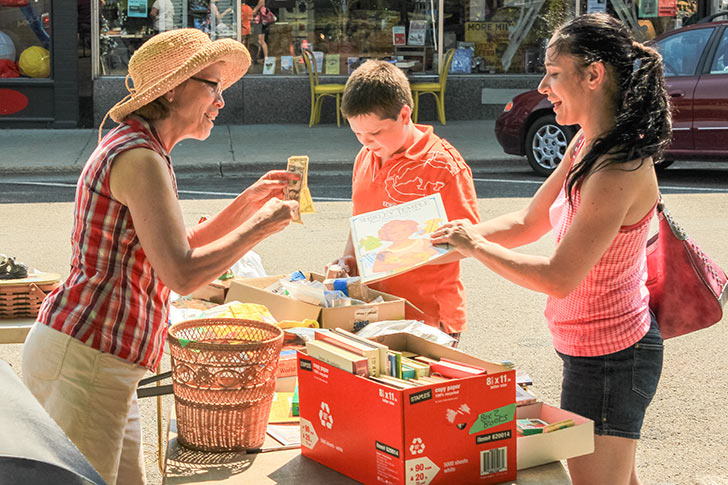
[[696, 74]]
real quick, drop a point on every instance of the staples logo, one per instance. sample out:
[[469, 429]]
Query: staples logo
[[420, 396]]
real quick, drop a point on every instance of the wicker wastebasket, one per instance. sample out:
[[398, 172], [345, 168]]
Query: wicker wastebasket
[[223, 375]]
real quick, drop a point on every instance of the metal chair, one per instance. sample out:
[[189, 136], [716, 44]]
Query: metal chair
[[436, 89], [319, 91]]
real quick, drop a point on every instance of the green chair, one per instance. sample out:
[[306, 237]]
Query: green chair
[[320, 91], [436, 89]]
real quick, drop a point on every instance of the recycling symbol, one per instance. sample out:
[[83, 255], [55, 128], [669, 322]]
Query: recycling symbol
[[325, 416], [417, 447]]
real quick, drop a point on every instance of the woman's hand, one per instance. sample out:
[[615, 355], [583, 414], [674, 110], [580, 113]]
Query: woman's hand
[[269, 186], [275, 215], [461, 234]]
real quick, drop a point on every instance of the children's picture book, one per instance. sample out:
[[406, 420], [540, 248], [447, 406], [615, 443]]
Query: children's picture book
[[462, 61], [417, 31], [332, 63], [396, 239], [399, 35], [299, 66], [352, 63], [319, 60], [286, 64], [269, 65]]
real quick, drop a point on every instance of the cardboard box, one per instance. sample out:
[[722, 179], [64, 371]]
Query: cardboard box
[[352, 318], [214, 291], [462, 431], [537, 449]]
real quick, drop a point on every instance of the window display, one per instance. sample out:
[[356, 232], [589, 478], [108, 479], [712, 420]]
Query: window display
[[490, 36], [25, 39]]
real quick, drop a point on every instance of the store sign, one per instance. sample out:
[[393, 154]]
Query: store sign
[[12, 101], [648, 8], [137, 8], [667, 8], [491, 39]]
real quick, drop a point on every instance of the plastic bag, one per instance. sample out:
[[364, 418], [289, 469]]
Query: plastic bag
[[235, 309], [414, 327], [250, 266]]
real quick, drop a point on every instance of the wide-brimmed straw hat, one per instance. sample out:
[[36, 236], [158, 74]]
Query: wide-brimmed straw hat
[[170, 58]]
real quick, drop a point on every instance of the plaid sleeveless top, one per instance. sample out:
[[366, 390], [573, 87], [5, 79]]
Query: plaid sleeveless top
[[112, 300], [609, 310]]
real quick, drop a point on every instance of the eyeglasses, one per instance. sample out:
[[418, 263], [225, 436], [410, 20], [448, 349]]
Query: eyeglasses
[[216, 86]]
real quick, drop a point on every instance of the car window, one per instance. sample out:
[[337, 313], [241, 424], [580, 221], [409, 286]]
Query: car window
[[681, 52], [720, 61]]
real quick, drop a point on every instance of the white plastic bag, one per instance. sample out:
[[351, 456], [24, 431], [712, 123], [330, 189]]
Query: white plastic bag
[[250, 266], [414, 327]]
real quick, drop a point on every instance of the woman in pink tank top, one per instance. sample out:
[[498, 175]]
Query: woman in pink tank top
[[599, 203]]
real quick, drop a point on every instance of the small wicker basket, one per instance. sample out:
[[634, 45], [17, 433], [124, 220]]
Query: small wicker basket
[[223, 375], [21, 298]]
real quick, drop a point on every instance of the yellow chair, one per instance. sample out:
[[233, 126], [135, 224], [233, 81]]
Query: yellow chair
[[319, 91], [436, 89]]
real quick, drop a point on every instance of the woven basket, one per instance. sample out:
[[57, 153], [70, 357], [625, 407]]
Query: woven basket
[[223, 375], [23, 300]]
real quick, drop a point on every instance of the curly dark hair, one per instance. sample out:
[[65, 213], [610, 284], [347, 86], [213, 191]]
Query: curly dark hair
[[643, 122]]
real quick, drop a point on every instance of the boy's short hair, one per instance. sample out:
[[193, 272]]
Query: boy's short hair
[[376, 87]]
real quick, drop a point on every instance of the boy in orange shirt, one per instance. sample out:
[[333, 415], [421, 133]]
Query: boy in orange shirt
[[399, 162]]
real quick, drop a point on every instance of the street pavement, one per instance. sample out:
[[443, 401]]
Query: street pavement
[[231, 149]]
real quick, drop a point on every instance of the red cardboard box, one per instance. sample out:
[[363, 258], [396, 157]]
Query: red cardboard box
[[462, 431]]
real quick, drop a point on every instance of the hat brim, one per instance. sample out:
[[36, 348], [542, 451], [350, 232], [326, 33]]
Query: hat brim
[[236, 61]]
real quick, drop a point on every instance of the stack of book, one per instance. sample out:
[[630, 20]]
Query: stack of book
[[367, 358]]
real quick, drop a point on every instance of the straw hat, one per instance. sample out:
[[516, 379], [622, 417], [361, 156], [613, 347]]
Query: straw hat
[[170, 58]]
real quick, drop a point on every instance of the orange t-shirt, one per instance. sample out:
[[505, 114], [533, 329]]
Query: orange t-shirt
[[246, 14], [430, 165]]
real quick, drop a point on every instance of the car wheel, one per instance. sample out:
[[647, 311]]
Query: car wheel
[[546, 143]]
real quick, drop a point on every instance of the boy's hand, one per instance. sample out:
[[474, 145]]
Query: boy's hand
[[347, 264]]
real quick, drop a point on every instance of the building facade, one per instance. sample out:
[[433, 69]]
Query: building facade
[[499, 47]]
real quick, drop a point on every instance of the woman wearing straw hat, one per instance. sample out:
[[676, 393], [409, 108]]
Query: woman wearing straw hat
[[104, 327]]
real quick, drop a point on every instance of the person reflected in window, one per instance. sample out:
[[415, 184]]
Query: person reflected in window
[[162, 14], [258, 30]]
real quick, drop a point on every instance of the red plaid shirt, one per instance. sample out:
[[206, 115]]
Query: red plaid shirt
[[112, 300], [609, 310]]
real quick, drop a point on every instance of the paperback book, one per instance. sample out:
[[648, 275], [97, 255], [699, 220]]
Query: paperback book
[[417, 31], [286, 64], [399, 35], [396, 239], [269, 65]]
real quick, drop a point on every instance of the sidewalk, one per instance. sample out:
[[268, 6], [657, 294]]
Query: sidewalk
[[230, 149]]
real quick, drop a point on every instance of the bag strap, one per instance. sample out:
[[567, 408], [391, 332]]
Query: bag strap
[[664, 213]]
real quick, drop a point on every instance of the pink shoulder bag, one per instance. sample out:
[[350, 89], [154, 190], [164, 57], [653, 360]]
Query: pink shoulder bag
[[687, 289]]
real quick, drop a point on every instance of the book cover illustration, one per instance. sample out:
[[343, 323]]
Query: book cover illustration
[[318, 57], [299, 66], [332, 63], [399, 36], [352, 63], [286, 64], [269, 65], [396, 239], [417, 31], [462, 61]]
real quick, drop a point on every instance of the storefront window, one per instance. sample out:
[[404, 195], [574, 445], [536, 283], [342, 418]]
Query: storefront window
[[490, 36], [25, 39], [124, 25]]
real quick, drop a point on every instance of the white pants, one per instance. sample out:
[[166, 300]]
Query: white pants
[[92, 397]]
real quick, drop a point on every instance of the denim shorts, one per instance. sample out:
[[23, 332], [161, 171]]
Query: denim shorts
[[614, 390]]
